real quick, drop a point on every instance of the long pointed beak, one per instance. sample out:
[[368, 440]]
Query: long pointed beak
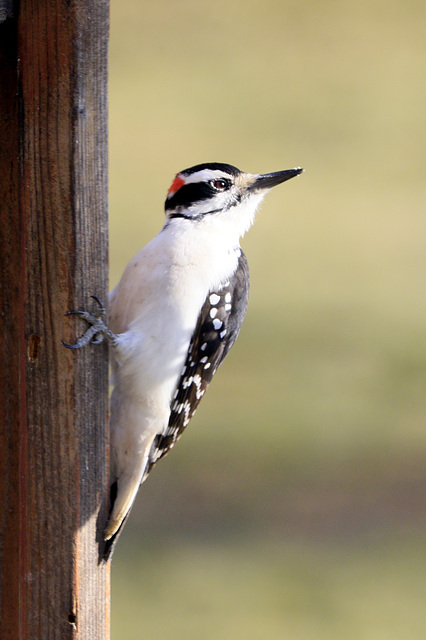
[[269, 180]]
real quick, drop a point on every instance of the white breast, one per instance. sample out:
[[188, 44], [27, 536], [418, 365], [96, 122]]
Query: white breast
[[155, 308]]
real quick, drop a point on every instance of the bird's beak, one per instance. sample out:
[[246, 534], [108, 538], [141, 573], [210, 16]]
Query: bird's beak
[[269, 180]]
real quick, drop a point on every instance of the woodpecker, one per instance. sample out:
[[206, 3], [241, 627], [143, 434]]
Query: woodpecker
[[173, 317]]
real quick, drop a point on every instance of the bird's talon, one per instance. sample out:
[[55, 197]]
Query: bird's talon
[[101, 306], [70, 346], [96, 331]]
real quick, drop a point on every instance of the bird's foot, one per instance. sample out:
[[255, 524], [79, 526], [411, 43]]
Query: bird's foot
[[97, 330]]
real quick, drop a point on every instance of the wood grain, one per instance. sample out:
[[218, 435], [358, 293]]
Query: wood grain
[[53, 402]]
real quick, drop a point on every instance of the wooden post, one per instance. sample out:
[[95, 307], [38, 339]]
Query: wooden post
[[53, 256]]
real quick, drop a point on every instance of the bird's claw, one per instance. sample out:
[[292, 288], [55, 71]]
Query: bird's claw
[[102, 310], [97, 330]]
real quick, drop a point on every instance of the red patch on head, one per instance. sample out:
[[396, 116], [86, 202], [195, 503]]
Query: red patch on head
[[176, 185]]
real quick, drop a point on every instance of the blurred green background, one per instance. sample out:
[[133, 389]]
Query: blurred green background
[[294, 506]]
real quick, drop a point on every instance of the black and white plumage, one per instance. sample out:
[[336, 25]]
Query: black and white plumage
[[218, 326], [173, 317]]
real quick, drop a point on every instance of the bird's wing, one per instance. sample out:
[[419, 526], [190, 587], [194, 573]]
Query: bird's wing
[[218, 326]]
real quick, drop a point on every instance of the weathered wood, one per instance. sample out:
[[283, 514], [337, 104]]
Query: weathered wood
[[53, 402]]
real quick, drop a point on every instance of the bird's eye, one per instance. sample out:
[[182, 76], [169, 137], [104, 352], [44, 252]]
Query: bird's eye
[[220, 184]]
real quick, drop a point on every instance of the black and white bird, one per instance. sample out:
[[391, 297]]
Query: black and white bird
[[174, 316]]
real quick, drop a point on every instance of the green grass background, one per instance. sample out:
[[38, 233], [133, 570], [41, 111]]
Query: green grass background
[[294, 506]]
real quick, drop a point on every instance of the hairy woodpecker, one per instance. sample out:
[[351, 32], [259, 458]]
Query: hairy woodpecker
[[173, 317]]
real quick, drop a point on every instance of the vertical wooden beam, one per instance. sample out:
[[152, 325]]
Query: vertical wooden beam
[[53, 402], [9, 335]]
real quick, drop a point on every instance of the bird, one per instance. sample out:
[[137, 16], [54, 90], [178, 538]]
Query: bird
[[172, 319]]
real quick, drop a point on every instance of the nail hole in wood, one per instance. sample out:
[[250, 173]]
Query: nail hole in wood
[[33, 347]]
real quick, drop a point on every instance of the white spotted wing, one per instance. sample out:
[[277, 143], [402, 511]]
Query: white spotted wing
[[218, 326]]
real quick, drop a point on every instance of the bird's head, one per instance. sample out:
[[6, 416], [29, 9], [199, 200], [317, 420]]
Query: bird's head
[[214, 190]]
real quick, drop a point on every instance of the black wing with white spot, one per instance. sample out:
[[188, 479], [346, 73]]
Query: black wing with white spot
[[217, 329]]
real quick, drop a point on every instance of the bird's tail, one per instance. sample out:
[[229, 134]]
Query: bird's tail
[[130, 447], [127, 488]]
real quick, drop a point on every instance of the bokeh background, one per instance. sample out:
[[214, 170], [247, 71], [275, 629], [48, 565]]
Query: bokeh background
[[294, 507]]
